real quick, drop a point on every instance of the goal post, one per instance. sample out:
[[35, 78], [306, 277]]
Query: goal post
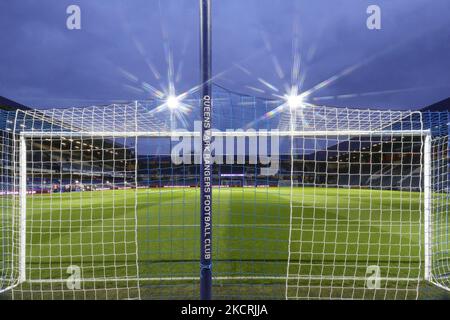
[[437, 268], [302, 135], [22, 207], [427, 207]]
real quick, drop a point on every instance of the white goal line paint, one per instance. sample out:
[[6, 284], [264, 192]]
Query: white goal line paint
[[169, 134], [283, 278], [244, 225]]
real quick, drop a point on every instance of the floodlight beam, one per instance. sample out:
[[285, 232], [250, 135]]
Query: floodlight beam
[[172, 102]]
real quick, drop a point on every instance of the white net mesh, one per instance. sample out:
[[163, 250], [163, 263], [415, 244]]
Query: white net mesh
[[439, 239], [9, 240], [341, 217]]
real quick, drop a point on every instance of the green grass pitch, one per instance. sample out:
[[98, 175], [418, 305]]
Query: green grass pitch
[[336, 234]]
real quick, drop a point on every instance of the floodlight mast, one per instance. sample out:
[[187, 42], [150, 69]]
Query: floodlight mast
[[206, 163]]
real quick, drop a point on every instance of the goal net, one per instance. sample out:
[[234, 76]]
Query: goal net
[[308, 203]]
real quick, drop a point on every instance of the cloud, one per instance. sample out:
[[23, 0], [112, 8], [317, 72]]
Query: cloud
[[126, 44]]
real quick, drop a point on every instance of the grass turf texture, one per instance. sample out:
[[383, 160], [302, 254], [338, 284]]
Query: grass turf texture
[[336, 234]]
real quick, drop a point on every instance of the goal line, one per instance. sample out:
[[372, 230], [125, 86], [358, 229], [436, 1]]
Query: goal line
[[281, 278]]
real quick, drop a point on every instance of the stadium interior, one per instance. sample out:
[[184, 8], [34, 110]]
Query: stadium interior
[[71, 164]]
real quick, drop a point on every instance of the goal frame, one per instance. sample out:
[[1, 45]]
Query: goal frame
[[427, 172]]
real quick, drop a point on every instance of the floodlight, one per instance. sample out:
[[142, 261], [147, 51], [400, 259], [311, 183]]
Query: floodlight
[[294, 101], [172, 102]]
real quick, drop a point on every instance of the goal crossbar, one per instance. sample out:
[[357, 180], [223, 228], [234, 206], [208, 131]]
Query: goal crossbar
[[237, 133]]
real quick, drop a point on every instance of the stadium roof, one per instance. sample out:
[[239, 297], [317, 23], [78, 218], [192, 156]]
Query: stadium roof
[[443, 105], [10, 105]]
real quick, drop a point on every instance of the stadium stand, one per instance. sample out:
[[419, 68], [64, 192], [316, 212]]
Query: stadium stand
[[397, 169]]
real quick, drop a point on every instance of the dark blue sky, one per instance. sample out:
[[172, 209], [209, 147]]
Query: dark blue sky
[[123, 50]]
